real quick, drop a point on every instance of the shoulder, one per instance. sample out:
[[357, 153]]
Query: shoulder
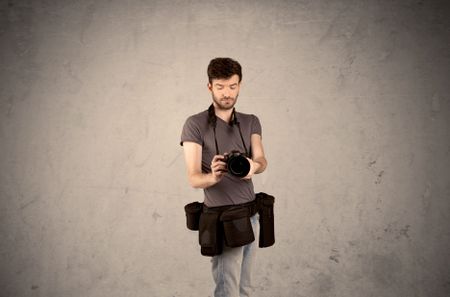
[[246, 117], [199, 120], [194, 128], [250, 121]]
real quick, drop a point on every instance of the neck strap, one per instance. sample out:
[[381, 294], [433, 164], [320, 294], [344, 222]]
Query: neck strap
[[212, 120]]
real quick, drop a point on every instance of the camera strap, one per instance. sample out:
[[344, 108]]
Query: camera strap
[[212, 119]]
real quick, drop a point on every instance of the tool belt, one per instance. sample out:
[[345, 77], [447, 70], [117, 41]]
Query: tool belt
[[230, 224]]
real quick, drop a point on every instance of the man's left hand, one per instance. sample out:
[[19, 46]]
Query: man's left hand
[[253, 168]]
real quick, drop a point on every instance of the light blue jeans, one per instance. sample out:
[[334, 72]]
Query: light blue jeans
[[233, 268]]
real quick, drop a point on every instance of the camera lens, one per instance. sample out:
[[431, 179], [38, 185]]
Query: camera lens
[[238, 165]]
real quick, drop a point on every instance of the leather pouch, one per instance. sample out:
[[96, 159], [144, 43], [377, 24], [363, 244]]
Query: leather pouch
[[237, 227], [209, 234], [193, 211], [266, 219]]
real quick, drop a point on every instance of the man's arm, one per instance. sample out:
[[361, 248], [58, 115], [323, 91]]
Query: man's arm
[[193, 158], [258, 162]]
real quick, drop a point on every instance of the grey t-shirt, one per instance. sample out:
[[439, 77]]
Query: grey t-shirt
[[230, 190]]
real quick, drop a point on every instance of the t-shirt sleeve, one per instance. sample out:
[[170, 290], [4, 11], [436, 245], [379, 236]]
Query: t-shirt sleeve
[[256, 126], [191, 132]]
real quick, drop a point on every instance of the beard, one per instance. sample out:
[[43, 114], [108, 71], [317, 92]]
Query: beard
[[225, 103]]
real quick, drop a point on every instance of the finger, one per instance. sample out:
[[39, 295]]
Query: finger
[[223, 170], [217, 158], [218, 167], [218, 164]]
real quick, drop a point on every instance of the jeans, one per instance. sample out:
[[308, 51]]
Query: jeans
[[233, 268]]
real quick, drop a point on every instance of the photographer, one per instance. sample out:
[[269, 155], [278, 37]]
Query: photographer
[[223, 150]]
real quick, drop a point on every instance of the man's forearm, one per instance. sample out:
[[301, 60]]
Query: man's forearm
[[206, 180], [202, 180], [261, 164]]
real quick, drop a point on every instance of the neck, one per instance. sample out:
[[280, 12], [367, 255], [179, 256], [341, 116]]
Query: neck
[[224, 114]]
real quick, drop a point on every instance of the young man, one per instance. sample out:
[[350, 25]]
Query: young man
[[206, 138]]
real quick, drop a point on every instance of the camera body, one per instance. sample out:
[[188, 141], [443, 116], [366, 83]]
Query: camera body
[[237, 163]]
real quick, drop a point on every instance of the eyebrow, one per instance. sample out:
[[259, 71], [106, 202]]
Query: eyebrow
[[221, 85]]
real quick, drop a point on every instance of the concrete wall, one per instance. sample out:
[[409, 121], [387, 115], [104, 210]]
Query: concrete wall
[[354, 101]]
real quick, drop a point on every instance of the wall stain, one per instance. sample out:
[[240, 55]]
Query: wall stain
[[156, 216], [371, 166], [379, 177], [334, 255], [25, 205], [398, 233], [403, 232]]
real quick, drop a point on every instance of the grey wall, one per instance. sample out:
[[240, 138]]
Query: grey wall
[[354, 101]]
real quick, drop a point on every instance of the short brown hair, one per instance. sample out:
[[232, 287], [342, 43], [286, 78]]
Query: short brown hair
[[223, 68]]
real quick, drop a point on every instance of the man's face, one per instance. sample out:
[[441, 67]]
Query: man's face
[[225, 92]]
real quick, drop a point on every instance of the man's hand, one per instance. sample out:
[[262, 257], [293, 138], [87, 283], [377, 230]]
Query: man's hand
[[218, 167], [258, 163], [253, 169]]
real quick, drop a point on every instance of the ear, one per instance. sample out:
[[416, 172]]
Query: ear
[[210, 87]]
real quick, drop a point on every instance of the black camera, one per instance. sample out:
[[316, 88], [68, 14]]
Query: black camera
[[237, 164]]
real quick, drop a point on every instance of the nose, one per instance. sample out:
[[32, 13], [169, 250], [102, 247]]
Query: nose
[[226, 93]]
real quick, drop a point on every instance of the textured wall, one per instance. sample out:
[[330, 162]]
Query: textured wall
[[354, 101]]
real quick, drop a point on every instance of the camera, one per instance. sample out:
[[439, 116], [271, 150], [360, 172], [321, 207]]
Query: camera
[[237, 163]]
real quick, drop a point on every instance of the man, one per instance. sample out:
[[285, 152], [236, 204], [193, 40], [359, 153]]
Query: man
[[206, 138]]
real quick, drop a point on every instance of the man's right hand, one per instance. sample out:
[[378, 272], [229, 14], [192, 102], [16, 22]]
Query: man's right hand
[[218, 167]]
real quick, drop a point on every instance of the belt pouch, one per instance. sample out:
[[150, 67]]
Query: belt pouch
[[193, 211], [266, 219], [209, 234], [237, 227]]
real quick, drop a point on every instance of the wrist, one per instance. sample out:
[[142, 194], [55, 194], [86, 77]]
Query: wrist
[[213, 179], [256, 167]]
